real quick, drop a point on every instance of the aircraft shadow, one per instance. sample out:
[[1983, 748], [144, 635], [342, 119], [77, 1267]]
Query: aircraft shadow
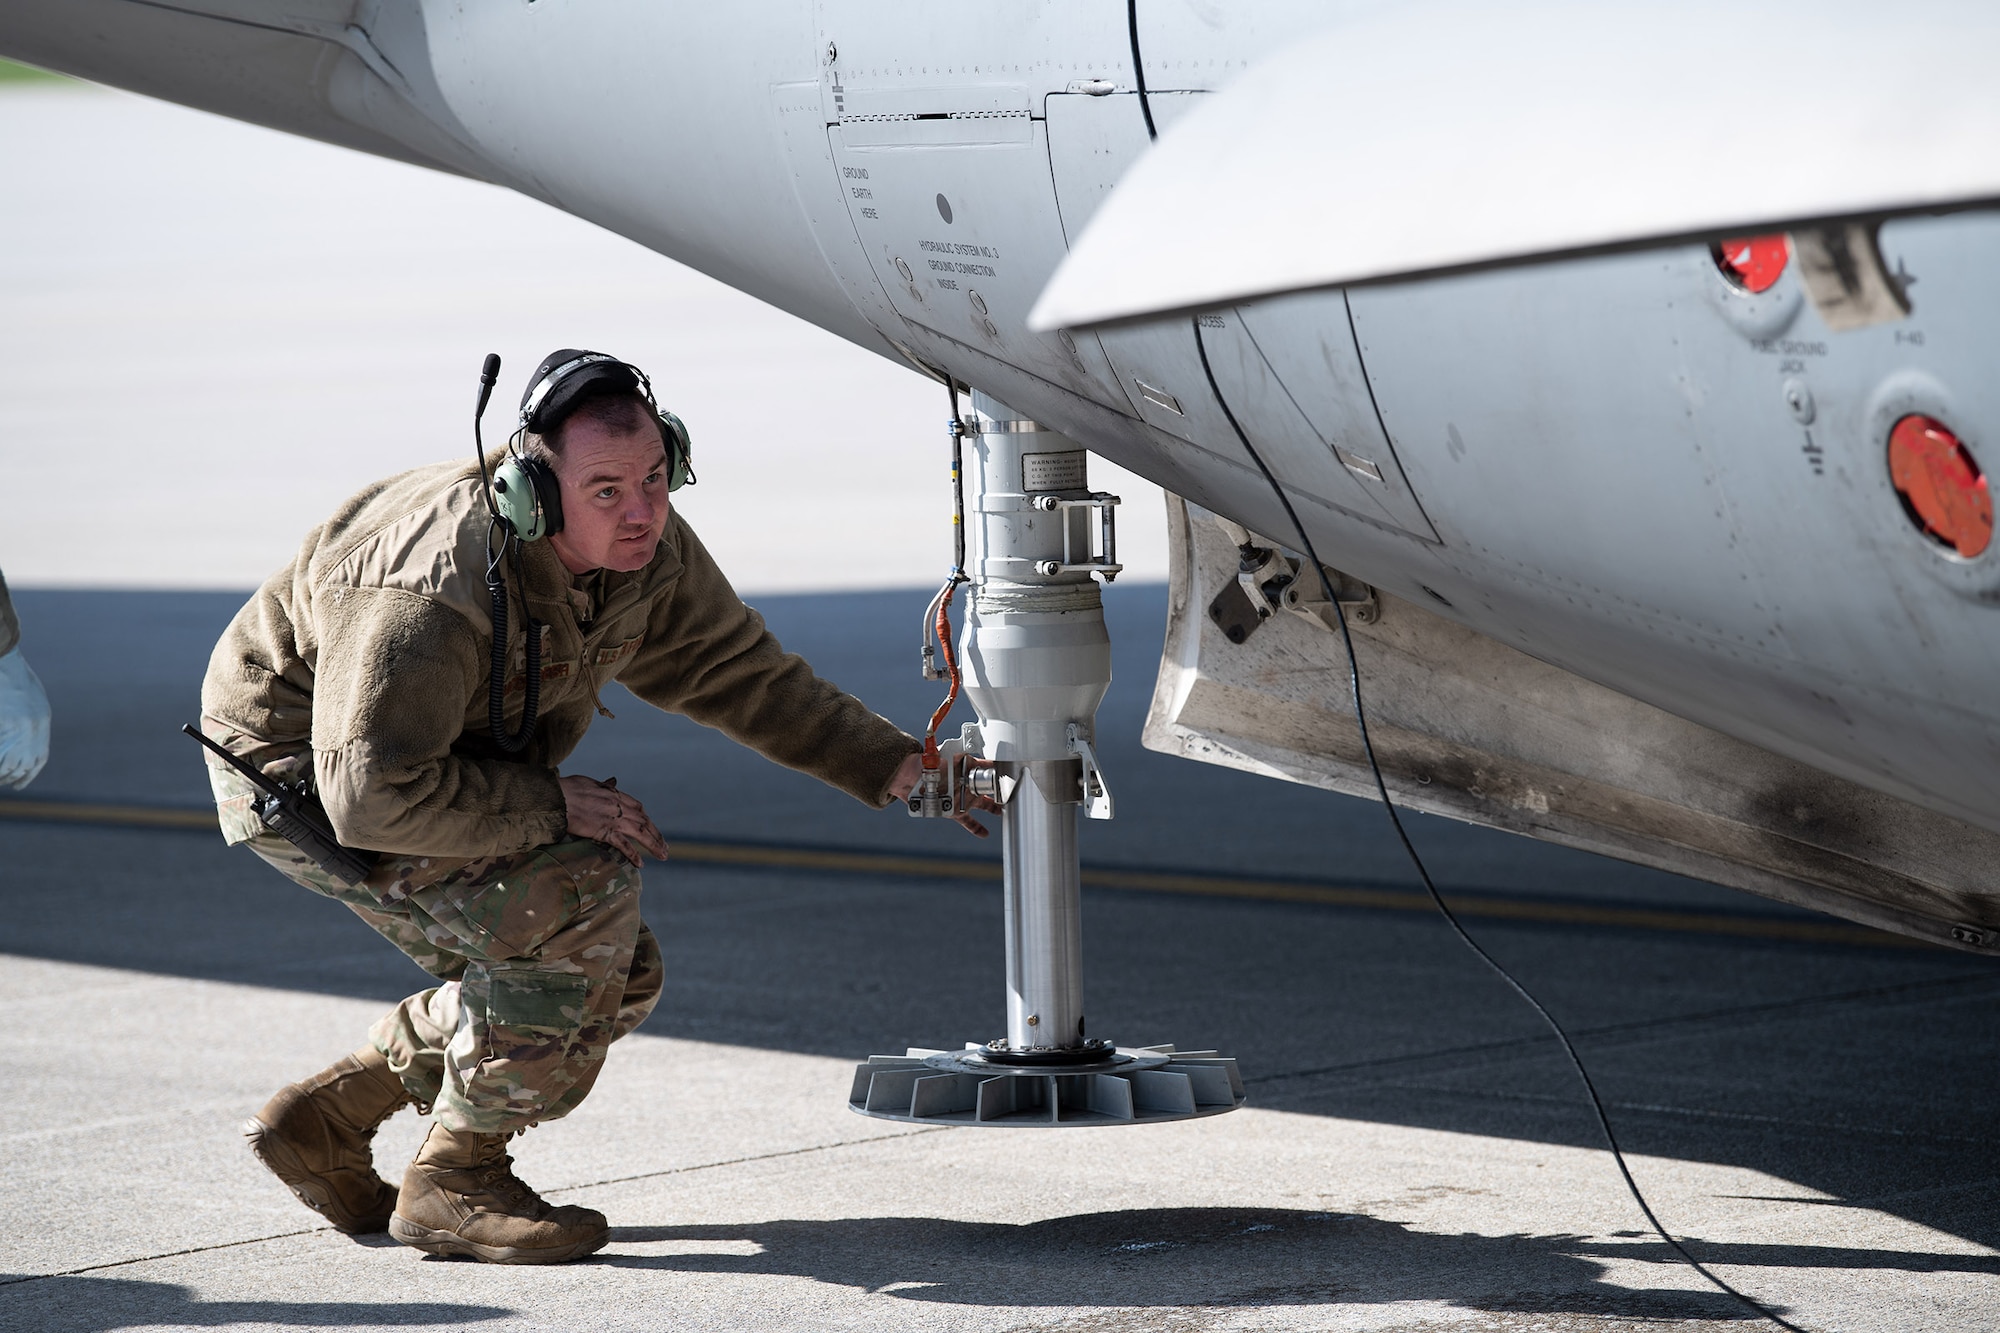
[[1199, 1257]]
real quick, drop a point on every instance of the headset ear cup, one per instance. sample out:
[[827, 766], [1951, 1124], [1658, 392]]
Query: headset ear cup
[[514, 498], [680, 451], [548, 490], [529, 498]]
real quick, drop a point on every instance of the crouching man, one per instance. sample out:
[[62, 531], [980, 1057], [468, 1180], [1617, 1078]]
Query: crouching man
[[364, 667]]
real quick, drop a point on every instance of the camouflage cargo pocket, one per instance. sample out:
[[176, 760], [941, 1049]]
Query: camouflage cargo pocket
[[530, 1002], [505, 915], [512, 913]]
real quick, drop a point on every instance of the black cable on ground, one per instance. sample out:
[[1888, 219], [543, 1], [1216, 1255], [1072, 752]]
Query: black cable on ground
[[1423, 873]]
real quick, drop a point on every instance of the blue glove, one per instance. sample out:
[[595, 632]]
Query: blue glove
[[24, 722]]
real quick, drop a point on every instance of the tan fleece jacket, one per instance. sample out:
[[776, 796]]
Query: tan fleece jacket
[[373, 646]]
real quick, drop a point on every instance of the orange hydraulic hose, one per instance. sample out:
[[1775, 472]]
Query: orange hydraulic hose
[[943, 628]]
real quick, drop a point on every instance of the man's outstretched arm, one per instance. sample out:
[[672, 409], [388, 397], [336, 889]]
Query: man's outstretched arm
[[709, 656]]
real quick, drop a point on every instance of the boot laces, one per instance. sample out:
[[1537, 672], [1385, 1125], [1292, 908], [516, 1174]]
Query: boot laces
[[497, 1175]]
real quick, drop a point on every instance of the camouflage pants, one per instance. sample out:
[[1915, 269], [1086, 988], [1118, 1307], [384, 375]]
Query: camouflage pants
[[541, 954]]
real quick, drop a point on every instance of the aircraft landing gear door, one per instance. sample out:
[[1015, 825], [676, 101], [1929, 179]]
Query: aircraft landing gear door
[[1308, 413], [948, 188]]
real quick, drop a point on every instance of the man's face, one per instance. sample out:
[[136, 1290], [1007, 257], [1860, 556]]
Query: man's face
[[614, 496]]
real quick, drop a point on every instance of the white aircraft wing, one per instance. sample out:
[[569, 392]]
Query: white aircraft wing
[[1431, 138]]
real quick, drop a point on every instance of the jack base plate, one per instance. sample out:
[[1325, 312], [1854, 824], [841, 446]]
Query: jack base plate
[[1126, 1086]]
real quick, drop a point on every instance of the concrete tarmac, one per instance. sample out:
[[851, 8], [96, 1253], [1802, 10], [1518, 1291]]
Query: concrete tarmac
[[1814, 1119]]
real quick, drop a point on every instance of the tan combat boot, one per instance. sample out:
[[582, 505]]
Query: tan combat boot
[[461, 1196], [315, 1134]]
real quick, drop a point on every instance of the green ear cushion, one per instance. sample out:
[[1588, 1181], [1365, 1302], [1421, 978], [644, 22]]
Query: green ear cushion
[[520, 505], [680, 451]]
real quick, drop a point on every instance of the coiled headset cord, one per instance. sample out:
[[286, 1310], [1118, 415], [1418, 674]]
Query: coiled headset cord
[[496, 696], [496, 590], [1382, 788]]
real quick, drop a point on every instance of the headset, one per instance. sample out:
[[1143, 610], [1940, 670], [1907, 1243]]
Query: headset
[[524, 498], [525, 494]]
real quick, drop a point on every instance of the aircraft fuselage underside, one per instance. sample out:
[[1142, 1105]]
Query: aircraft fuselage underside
[[1629, 467]]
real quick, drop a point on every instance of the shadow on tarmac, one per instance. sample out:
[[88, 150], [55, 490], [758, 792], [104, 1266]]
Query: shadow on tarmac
[[84, 1304], [1217, 1257]]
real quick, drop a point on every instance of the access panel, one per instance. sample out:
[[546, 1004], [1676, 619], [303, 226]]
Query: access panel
[[949, 192]]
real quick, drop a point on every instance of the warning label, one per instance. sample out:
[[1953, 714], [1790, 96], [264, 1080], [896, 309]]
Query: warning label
[[1066, 471]]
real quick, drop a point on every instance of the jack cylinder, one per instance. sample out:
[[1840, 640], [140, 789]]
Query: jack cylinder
[[1037, 663], [1044, 905]]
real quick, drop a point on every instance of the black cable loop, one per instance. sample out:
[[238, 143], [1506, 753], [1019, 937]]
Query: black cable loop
[[496, 683], [496, 591], [1402, 835]]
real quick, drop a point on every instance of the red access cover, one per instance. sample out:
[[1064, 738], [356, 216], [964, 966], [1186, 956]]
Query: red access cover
[[1753, 263], [1942, 487]]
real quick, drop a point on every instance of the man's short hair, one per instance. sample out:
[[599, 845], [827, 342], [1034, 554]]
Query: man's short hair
[[619, 413]]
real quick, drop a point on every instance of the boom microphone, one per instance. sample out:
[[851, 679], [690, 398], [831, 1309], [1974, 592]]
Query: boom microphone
[[487, 374]]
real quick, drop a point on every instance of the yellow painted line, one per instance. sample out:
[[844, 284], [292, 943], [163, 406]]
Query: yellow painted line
[[753, 855], [830, 858], [130, 816]]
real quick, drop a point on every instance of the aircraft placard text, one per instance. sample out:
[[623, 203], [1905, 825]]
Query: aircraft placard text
[[969, 251]]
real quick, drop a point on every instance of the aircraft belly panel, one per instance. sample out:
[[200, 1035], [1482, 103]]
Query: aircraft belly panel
[[1648, 478], [814, 184], [1092, 140], [1044, 44], [1194, 44], [1305, 344], [962, 236], [1162, 373], [1932, 755], [1467, 727]]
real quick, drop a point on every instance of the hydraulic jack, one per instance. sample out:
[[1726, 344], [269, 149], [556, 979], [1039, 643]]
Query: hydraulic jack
[[1036, 662]]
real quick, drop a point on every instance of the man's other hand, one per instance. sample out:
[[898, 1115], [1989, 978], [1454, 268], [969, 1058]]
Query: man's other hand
[[599, 811], [912, 772]]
